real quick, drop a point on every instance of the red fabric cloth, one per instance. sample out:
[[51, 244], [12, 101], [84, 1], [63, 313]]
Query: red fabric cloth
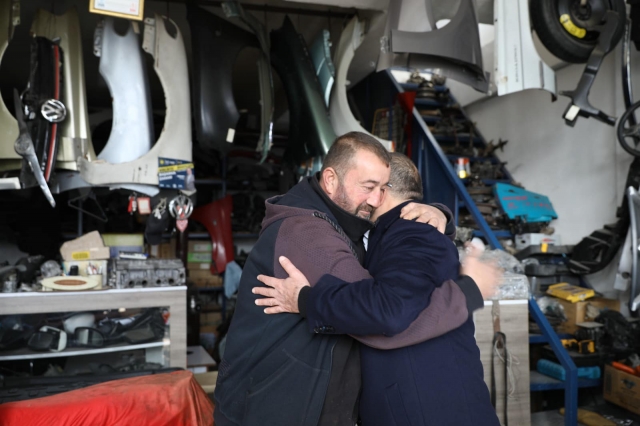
[[174, 399]]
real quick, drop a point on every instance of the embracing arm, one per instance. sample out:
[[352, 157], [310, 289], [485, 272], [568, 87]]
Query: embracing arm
[[403, 300]]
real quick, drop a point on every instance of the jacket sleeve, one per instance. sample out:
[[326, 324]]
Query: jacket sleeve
[[450, 230], [403, 300]]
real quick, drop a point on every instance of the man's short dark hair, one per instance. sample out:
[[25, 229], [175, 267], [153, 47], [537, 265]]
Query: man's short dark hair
[[344, 148], [404, 179]]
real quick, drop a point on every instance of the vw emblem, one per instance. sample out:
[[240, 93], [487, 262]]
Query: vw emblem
[[53, 111]]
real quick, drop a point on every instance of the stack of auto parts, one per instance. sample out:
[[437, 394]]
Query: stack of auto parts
[[124, 273]]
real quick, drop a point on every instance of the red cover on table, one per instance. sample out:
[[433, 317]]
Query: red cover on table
[[174, 399]]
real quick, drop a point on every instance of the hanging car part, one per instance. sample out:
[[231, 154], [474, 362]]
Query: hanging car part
[[366, 56], [24, 148], [310, 131], [634, 212], [411, 41], [321, 57], [9, 19], [126, 273], [571, 29], [42, 106], [215, 44], [122, 67], [163, 40], [580, 105], [216, 217], [233, 9], [75, 136], [342, 117], [518, 65]]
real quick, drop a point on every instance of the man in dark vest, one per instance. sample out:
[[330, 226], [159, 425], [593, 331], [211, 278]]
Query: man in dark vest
[[275, 369]]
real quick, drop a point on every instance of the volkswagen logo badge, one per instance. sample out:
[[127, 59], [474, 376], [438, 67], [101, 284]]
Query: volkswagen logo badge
[[53, 111]]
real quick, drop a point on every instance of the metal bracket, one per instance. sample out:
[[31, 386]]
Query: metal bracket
[[149, 38], [580, 105], [84, 196]]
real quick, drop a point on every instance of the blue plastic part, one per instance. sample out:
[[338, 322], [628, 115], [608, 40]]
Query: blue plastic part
[[539, 338], [555, 370], [518, 203]]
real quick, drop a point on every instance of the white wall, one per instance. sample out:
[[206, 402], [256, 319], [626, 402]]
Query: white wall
[[581, 169]]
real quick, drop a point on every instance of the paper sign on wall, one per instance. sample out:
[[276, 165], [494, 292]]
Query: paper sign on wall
[[130, 9], [176, 174]]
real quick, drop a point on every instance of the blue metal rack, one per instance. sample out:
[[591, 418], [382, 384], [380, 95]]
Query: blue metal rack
[[442, 185]]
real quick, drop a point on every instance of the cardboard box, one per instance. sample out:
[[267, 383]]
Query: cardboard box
[[201, 257], [197, 266], [164, 250], [622, 389], [204, 278], [113, 240], [210, 319], [199, 246], [88, 247], [576, 312]]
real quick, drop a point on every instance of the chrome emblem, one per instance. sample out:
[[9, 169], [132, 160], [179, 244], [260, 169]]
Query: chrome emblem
[[53, 111]]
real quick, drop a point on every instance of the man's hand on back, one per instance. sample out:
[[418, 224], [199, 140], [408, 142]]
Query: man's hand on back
[[281, 295], [425, 214], [487, 275]]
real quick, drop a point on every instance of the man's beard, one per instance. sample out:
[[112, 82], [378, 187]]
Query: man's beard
[[343, 201]]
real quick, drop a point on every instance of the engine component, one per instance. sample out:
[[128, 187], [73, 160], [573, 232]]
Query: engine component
[[517, 63], [122, 66], [125, 273], [342, 117], [310, 130], [411, 41], [75, 136], [163, 40]]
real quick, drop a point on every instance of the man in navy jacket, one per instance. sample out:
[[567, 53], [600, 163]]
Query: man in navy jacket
[[437, 382]]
